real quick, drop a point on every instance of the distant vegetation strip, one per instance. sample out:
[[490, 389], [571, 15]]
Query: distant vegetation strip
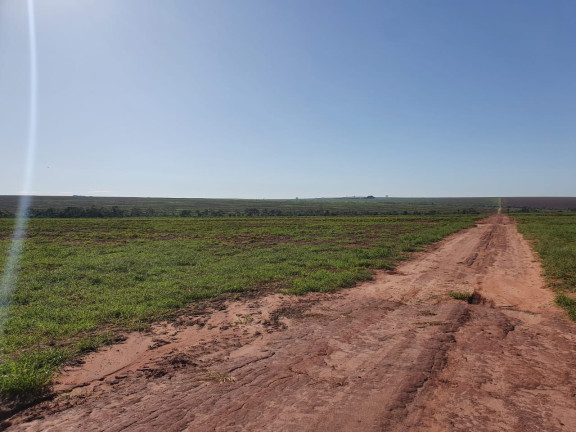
[[99, 207], [538, 204], [85, 280], [554, 238]]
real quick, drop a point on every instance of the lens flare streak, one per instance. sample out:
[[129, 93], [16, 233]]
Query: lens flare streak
[[12, 264]]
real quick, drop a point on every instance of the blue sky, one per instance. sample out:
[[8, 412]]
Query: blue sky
[[279, 99]]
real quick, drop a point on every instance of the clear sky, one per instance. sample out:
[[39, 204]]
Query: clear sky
[[278, 99]]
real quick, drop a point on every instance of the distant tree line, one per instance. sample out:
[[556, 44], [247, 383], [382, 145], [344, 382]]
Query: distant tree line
[[526, 209], [118, 212], [91, 212], [470, 210]]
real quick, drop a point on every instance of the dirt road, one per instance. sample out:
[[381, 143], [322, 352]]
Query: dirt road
[[395, 354]]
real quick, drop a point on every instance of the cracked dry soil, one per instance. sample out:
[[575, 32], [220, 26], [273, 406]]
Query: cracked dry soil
[[394, 354]]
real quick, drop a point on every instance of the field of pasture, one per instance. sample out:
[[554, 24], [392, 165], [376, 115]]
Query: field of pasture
[[85, 206], [554, 238]]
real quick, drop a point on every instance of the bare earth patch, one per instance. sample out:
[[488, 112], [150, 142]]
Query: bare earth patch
[[395, 354]]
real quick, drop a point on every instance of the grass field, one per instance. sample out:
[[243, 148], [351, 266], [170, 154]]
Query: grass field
[[74, 206], [554, 238], [535, 204], [83, 281]]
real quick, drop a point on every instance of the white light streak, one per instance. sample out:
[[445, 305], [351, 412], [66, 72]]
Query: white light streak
[[12, 264]]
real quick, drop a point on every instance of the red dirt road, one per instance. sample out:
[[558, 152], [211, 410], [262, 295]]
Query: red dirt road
[[395, 354]]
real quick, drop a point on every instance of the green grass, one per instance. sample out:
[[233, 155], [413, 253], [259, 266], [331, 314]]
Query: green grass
[[460, 295], [84, 281], [30, 373], [567, 303], [554, 238]]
